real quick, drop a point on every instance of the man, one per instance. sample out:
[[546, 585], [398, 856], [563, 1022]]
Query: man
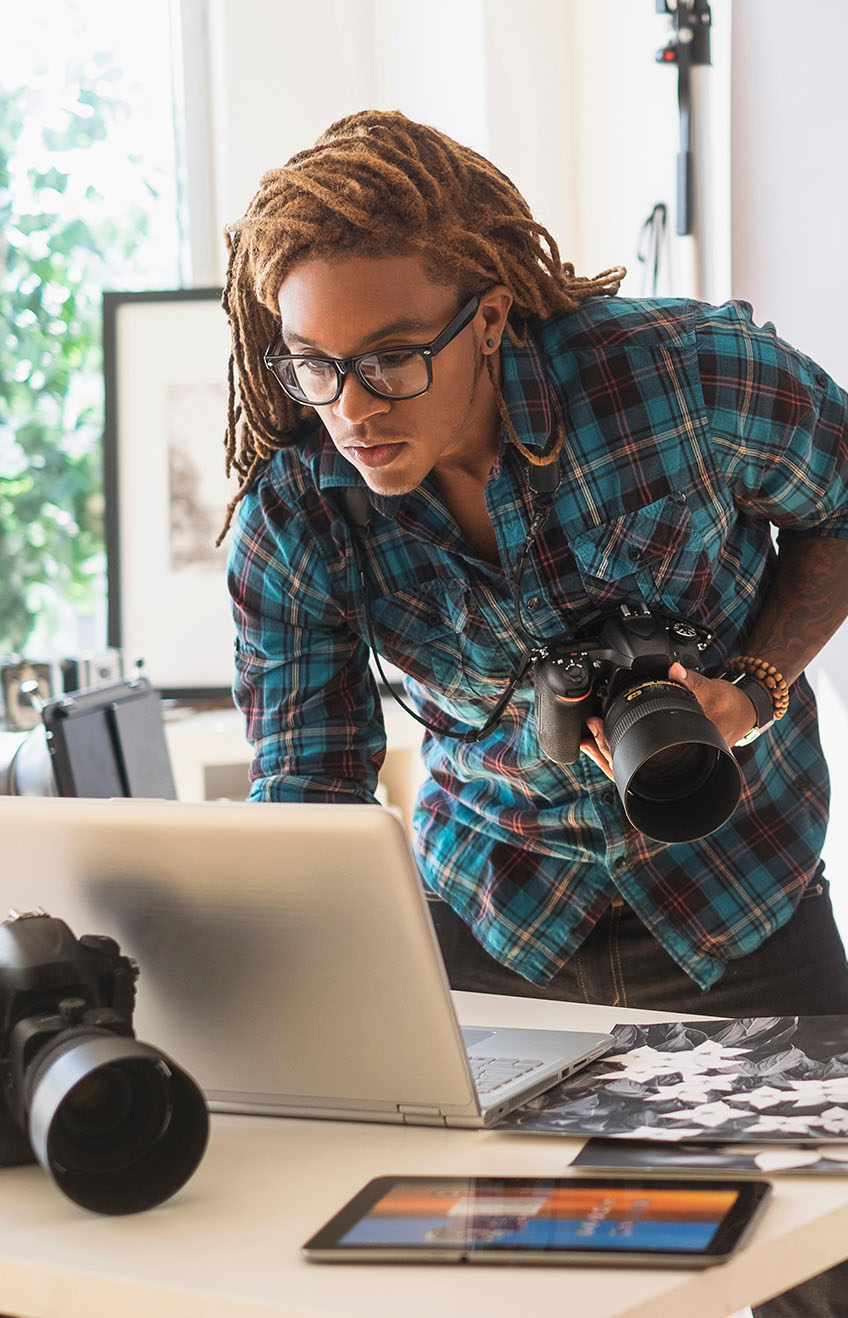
[[467, 453]]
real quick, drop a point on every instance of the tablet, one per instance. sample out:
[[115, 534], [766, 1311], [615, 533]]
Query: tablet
[[634, 1221]]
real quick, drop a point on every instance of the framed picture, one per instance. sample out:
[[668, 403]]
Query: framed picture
[[165, 364]]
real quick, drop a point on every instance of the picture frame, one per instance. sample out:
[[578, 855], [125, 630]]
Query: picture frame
[[165, 359]]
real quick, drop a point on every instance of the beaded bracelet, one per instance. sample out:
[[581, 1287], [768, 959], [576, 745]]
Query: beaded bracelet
[[768, 676]]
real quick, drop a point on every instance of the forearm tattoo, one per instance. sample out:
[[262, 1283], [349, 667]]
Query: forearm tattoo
[[805, 604]]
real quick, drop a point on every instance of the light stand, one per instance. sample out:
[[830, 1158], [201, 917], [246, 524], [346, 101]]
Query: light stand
[[689, 50]]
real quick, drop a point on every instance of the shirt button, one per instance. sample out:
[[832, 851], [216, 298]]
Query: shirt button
[[620, 862], [434, 618], [533, 602], [821, 379], [607, 797], [635, 555]]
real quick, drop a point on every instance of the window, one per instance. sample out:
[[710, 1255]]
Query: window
[[88, 201]]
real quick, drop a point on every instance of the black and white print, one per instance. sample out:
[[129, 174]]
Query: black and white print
[[762, 1080]]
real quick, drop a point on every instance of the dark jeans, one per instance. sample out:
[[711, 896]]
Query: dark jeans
[[800, 971]]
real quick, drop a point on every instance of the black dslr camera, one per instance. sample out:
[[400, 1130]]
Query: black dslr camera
[[675, 773], [114, 1122]]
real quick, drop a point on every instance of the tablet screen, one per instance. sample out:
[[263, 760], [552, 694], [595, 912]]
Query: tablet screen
[[540, 1216], [603, 1215]]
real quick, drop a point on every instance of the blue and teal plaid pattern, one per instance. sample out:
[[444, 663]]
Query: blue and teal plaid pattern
[[690, 433]]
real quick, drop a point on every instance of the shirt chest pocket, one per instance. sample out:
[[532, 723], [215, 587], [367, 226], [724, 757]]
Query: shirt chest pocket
[[655, 554]]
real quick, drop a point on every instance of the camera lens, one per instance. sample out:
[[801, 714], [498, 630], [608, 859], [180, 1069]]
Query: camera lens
[[115, 1123], [675, 774], [112, 1117], [677, 769]]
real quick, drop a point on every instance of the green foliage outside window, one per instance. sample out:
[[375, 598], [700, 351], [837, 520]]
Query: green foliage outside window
[[61, 244]]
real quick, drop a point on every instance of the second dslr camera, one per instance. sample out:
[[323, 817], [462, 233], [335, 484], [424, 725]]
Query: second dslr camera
[[116, 1124]]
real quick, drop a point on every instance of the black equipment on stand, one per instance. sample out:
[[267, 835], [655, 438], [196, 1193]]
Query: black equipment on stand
[[689, 47]]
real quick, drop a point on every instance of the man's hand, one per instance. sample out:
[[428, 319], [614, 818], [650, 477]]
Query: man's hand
[[596, 745], [722, 702]]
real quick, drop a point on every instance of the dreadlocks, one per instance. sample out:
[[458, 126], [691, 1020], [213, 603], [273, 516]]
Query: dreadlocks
[[378, 184]]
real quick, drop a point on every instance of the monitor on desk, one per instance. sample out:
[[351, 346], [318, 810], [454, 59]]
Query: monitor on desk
[[109, 741]]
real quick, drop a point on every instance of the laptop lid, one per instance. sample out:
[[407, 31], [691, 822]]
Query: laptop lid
[[287, 961]]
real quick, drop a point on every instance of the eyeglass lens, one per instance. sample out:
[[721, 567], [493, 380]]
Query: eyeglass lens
[[395, 374]]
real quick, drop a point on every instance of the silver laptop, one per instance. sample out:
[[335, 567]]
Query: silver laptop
[[287, 958]]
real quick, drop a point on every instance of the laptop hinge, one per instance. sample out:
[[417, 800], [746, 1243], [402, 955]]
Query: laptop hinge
[[416, 1114]]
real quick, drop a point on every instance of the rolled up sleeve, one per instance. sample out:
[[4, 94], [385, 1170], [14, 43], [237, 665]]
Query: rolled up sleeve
[[302, 680], [779, 421]]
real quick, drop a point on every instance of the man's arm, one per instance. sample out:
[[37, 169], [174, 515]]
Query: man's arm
[[302, 682], [804, 606]]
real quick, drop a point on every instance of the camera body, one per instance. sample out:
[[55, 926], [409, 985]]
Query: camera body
[[674, 772], [50, 983], [115, 1123], [631, 648]]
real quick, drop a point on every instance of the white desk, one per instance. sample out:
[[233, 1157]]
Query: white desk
[[227, 1245]]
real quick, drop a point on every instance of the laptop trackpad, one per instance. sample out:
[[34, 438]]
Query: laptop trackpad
[[471, 1037]]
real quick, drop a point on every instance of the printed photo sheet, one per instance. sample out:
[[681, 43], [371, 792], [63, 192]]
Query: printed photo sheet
[[759, 1080]]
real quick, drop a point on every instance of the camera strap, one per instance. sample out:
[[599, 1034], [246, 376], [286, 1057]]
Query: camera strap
[[544, 482]]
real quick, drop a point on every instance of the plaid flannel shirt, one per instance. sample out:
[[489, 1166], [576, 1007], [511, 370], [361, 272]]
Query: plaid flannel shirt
[[690, 434]]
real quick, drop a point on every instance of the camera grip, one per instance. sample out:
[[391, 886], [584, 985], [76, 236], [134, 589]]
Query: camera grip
[[559, 721]]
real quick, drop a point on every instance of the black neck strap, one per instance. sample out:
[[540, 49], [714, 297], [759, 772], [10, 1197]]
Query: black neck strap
[[544, 482]]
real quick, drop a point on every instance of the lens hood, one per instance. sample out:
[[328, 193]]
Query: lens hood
[[116, 1124], [677, 778]]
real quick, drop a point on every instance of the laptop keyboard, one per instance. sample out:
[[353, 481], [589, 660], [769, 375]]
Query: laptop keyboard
[[491, 1072]]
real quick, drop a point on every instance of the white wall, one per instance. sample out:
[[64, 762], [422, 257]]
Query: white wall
[[564, 95], [790, 201], [790, 170], [626, 131]]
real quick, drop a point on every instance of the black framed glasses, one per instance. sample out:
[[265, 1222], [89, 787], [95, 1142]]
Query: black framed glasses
[[398, 372]]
